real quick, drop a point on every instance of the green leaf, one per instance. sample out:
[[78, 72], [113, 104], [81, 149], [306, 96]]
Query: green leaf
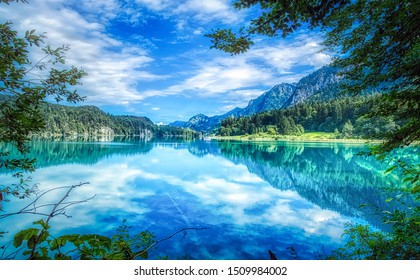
[[27, 252], [43, 237], [408, 179], [62, 240], [381, 157], [70, 237], [391, 168], [60, 256], [57, 243], [415, 189], [24, 235], [144, 255], [41, 222], [31, 241]]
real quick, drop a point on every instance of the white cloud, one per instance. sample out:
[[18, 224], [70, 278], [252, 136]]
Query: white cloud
[[282, 57], [228, 195], [155, 5], [209, 10], [217, 78], [104, 10], [220, 77], [225, 109], [246, 94], [238, 79], [238, 98], [198, 32], [204, 11], [114, 68]]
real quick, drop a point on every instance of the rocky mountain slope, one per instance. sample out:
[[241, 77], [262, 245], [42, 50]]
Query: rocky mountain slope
[[323, 84]]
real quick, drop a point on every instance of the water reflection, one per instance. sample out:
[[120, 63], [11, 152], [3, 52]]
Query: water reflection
[[252, 197], [330, 175]]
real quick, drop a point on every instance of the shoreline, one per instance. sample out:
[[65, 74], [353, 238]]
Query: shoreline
[[244, 138]]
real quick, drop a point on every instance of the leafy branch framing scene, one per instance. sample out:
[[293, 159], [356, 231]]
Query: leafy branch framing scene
[[39, 244], [376, 45]]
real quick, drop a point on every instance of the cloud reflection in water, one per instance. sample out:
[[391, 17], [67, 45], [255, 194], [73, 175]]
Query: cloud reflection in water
[[170, 188]]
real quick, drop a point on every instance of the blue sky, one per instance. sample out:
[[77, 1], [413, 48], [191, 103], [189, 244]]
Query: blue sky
[[151, 58]]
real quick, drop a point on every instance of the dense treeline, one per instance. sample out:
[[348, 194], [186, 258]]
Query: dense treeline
[[347, 117], [90, 120]]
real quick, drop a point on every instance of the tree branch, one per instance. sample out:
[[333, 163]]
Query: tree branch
[[52, 214], [32, 208], [37, 63], [164, 239]]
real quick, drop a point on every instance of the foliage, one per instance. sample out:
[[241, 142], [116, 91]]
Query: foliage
[[364, 243], [409, 168], [403, 241], [23, 86], [91, 121], [380, 43], [345, 115], [348, 129], [377, 45], [39, 244], [277, 17]]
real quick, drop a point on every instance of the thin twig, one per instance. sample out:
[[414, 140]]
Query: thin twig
[[164, 239], [52, 214], [32, 207], [10, 256], [37, 63]]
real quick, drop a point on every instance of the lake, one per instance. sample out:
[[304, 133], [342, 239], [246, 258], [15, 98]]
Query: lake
[[251, 197]]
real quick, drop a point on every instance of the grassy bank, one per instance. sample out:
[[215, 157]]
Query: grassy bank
[[305, 137]]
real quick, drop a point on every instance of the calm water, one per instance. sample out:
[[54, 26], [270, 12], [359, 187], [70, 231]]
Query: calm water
[[252, 197]]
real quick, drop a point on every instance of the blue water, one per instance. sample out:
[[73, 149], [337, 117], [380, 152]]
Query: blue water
[[250, 197]]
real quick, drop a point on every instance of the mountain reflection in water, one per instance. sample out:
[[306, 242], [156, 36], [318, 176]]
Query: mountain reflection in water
[[252, 197]]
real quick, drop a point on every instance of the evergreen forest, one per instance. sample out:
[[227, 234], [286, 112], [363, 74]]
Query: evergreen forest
[[346, 117], [89, 120]]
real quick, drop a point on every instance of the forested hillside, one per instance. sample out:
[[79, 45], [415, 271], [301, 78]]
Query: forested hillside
[[90, 120], [344, 116]]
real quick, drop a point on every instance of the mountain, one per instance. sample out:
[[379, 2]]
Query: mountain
[[179, 124], [275, 98], [321, 85], [290, 167]]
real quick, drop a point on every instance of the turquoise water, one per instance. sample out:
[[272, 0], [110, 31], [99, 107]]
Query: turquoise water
[[251, 197]]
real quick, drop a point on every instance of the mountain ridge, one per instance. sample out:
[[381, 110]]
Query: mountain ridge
[[323, 83]]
